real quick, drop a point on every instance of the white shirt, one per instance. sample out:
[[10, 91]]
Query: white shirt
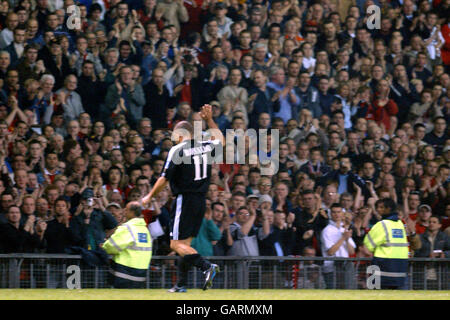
[[329, 237], [6, 37], [309, 62], [19, 49]]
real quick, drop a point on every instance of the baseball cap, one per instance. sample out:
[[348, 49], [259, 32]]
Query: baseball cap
[[215, 103], [425, 206], [447, 148], [265, 198], [87, 193], [114, 204], [252, 196]]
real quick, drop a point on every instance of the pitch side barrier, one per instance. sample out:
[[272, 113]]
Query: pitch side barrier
[[293, 272]]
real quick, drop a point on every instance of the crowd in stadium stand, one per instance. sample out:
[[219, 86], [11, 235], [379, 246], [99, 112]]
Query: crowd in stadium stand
[[363, 114]]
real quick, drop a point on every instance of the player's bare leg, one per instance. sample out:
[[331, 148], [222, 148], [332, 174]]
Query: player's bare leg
[[182, 247], [189, 257]]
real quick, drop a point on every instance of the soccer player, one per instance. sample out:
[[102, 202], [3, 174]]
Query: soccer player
[[188, 170]]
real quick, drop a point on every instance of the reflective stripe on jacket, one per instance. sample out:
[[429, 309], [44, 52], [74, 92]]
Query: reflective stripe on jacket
[[389, 244], [387, 239], [131, 244]]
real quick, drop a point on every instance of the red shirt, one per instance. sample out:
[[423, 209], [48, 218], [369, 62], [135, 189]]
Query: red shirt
[[445, 223], [381, 114], [148, 216], [413, 216], [195, 16], [420, 229], [445, 49], [186, 95]]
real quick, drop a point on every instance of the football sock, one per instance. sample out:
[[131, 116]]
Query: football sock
[[198, 261], [183, 269]]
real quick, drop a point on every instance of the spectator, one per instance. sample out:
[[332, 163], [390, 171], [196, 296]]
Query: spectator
[[337, 242], [423, 218], [21, 239], [208, 236], [129, 94], [91, 223], [17, 46], [435, 244], [309, 221], [59, 235], [244, 234], [157, 100]]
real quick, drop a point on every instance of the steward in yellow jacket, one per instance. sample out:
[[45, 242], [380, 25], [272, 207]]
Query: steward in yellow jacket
[[131, 247], [388, 242]]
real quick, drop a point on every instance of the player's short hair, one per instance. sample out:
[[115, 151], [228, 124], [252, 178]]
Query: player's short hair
[[184, 125]]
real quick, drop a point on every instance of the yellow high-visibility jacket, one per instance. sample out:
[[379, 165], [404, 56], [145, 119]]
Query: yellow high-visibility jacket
[[387, 239], [131, 244]]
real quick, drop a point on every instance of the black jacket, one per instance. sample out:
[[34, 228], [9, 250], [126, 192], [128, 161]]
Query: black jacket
[[441, 242], [284, 238], [157, 104], [59, 238], [352, 178], [92, 94], [303, 223], [14, 240]]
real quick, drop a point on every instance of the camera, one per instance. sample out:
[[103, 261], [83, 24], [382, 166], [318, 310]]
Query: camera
[[90, 202]]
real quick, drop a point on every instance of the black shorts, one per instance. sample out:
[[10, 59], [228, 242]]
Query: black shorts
[[187, 215]]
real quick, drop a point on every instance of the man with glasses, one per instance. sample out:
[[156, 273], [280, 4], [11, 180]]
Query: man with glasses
[[70, 100]]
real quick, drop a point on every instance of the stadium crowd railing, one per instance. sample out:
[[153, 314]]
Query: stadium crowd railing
[[58, 271]]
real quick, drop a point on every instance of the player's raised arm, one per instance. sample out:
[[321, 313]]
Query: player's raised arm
[[206, 114], [157, 188]]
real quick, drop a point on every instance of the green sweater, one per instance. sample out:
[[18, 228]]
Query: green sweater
[[208, 232]]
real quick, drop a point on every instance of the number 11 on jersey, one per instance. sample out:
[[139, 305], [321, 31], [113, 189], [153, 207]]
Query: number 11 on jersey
[[200, 175]]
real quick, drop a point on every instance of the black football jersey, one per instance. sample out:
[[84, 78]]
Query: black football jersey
[[188, 165]]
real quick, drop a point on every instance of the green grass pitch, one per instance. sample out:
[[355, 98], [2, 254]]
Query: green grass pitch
[[218, 294]]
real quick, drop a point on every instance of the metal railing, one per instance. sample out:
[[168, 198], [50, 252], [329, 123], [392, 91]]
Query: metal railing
[[52, 271]]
